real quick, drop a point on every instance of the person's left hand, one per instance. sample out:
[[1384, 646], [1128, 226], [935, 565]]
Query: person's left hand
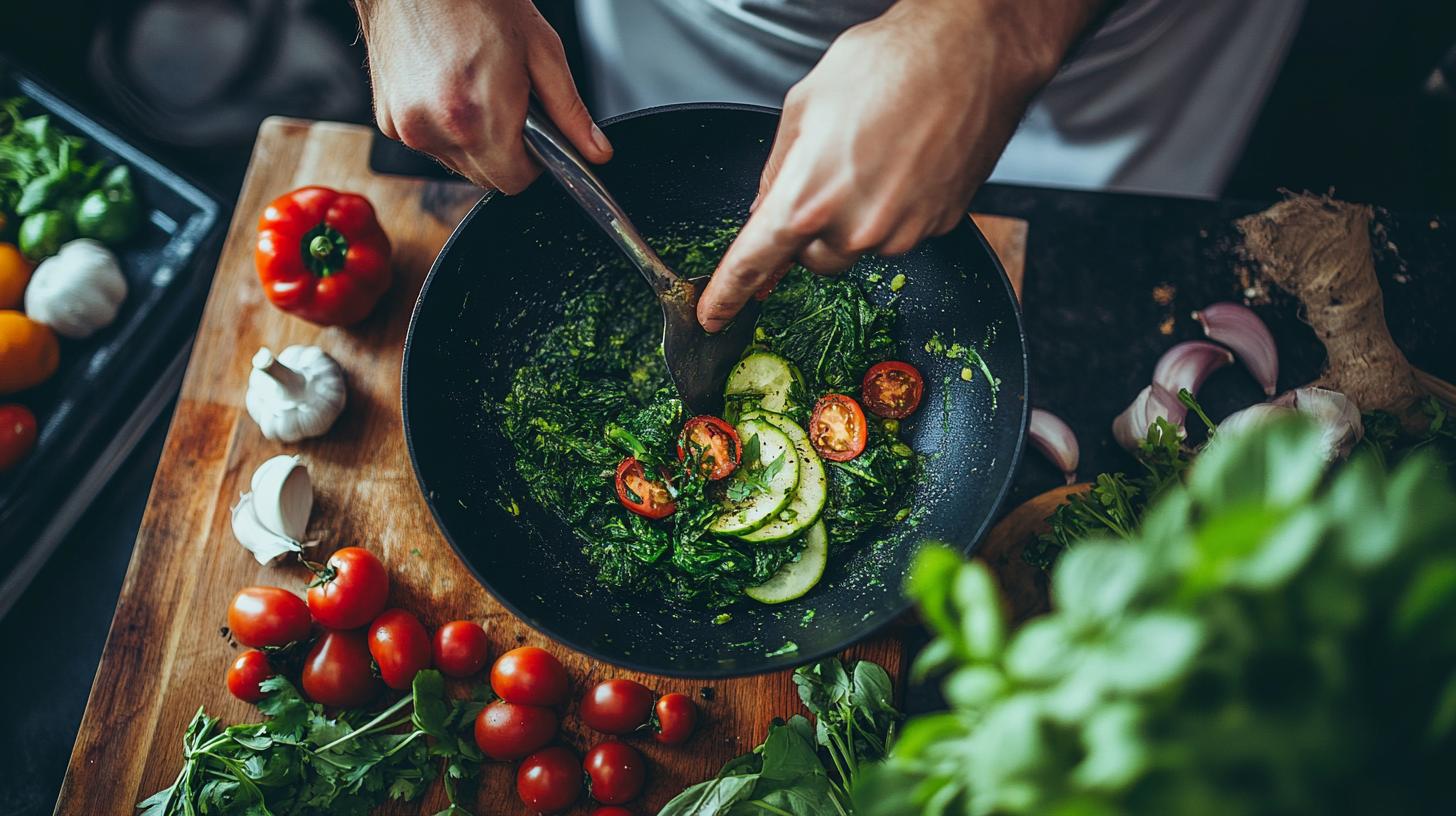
[[884, 142]]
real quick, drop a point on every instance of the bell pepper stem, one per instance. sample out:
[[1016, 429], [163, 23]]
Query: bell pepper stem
[[294, 384], [321, 247]]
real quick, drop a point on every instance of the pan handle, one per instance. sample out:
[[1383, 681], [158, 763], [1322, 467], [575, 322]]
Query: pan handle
[[552, 149]]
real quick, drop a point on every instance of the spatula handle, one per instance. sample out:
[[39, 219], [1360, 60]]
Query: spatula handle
[[552, 149]]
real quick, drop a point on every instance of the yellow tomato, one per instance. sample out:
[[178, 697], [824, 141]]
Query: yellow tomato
[[14, 275], [29, 352]]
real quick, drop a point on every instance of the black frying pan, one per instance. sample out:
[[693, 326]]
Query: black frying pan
[[500, 278]]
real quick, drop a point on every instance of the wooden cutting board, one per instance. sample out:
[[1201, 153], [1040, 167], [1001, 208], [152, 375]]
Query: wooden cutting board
[[166, 653]]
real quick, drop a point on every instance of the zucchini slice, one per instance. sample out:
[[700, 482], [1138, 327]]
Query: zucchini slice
[[768, 378], [808, 499], [796, 578], [737, 518]]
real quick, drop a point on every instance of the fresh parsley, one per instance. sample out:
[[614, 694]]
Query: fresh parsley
[[301, 762], [854, 725]]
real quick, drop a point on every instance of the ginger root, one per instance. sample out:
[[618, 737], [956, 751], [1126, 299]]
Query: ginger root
[[1318, 250]]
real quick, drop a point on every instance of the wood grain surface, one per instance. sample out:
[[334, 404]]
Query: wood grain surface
[[166, 653]]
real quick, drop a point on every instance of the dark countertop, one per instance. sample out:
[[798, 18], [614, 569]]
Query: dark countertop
[[1093, 261]]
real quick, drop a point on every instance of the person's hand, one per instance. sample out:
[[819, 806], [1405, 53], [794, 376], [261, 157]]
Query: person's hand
[[886, 140], [452, 78]]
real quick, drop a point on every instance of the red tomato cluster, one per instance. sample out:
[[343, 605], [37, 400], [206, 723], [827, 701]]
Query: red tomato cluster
[[355, 647], [359, 642], [532, 686]]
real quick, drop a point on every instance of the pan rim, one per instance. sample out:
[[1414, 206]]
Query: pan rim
[[838, 643]]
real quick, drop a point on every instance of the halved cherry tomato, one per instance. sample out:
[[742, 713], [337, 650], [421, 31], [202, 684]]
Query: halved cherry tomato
[[338, 671], [892, 389], [529, 676], [617, 706], [549, 780], [460, 648], [677, 715], [268, 616], [617, 772], [715, 441], [508, 731], [244, 675], [643, 496], [400, 646], [351, 590], [837, 428], [17, 434]]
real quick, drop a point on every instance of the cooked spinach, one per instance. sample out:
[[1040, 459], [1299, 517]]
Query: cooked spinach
[[827, 327], [595, 390]]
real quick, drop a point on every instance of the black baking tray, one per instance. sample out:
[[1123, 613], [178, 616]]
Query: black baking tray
[[111, 386]]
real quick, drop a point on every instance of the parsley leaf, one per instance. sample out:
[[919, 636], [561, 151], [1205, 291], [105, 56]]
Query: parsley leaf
[[301, 761]]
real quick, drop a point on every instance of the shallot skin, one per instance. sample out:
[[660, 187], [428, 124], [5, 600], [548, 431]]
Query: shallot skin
[[1055, 439]]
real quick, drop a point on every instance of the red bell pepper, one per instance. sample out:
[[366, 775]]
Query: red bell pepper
[[321, 255]]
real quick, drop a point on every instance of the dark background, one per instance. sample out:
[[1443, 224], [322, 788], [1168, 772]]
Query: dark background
[[1350, 111]]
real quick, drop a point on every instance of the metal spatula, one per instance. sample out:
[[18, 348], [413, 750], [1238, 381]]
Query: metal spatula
[[697, 361]]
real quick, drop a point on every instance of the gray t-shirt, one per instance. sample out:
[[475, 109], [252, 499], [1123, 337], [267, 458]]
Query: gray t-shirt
[[1160, 99]]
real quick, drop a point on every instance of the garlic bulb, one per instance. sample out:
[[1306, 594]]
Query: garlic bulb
[[271, 520], [77, 291], [1336, 414], [297, 394]]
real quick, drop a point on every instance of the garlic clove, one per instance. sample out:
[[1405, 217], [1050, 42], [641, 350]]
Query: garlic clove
[[283, 496], [1131, 426], [1056, 441], [1188, 364], [266, 546], [1238, 327]]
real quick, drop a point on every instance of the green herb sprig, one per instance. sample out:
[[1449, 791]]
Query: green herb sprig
[[854, 726], [301, 762]]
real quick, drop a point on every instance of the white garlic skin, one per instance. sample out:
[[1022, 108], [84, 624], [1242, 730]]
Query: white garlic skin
[[77, 291], [289, 413]]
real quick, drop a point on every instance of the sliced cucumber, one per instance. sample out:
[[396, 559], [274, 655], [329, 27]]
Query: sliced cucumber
[[759, 508], [768, 378], [796, 577], [809, 496]]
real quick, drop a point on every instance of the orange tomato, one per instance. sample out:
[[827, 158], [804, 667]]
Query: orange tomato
[[14, 275], [29, 352]]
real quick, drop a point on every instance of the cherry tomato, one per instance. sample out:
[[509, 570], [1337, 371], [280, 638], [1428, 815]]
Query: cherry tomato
[[617, 772], [400, 646], [643, 496], [616, 706], [268, 616], [892, 389], [338, 670], [508, 731], [677, 716], [529, 676], [549, 780], [244, 675], [459, 648], [351, 590], [714, 440], [837, 428], [17, 435], [611, 810]]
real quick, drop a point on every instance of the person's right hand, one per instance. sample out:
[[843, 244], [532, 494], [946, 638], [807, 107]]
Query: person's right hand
[[452, 78]]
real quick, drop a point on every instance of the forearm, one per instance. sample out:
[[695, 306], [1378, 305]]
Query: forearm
[[1035, 35]]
